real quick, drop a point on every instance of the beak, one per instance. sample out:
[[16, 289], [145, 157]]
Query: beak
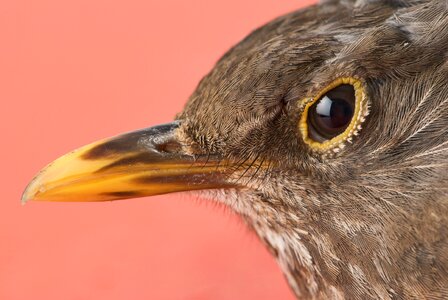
[[137, 164]]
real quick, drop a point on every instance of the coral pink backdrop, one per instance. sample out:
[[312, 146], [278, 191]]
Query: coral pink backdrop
[[72, 72]]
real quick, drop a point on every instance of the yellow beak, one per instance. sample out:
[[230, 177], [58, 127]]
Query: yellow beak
[[137, 164]]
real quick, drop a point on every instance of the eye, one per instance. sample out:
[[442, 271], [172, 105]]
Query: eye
[[331, 114], [334, 115]]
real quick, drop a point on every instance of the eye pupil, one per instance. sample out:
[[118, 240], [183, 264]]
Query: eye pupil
[[331, 114], [334, 113]]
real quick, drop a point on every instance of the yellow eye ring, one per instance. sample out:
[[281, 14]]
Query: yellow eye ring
[[360, 110]]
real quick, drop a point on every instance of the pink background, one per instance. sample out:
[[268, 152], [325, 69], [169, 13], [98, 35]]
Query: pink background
[[72, 72]]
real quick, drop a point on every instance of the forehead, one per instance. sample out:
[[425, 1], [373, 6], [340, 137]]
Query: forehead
[[295, 55], [374, 35]]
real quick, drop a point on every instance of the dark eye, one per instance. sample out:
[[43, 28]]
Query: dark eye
[[332, 113]]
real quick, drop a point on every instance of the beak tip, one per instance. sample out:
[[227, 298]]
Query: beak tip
[[30, 191], [25, 196], [24, 199]]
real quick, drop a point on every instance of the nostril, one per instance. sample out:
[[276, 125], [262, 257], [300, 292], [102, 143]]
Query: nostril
[[170, 146]]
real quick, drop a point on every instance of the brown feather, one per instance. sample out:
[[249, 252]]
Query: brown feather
[[371, 221]]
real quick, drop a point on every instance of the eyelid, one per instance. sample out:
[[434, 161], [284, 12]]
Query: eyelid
[[360, 112]]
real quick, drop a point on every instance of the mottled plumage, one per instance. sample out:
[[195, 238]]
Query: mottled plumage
[[371, 221]]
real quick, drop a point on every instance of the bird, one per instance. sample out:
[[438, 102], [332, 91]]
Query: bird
[[326, 129]]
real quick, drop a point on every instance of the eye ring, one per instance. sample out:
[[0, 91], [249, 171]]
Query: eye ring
[[350, 115]]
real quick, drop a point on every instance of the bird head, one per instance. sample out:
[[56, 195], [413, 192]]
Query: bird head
[[327, 130]]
